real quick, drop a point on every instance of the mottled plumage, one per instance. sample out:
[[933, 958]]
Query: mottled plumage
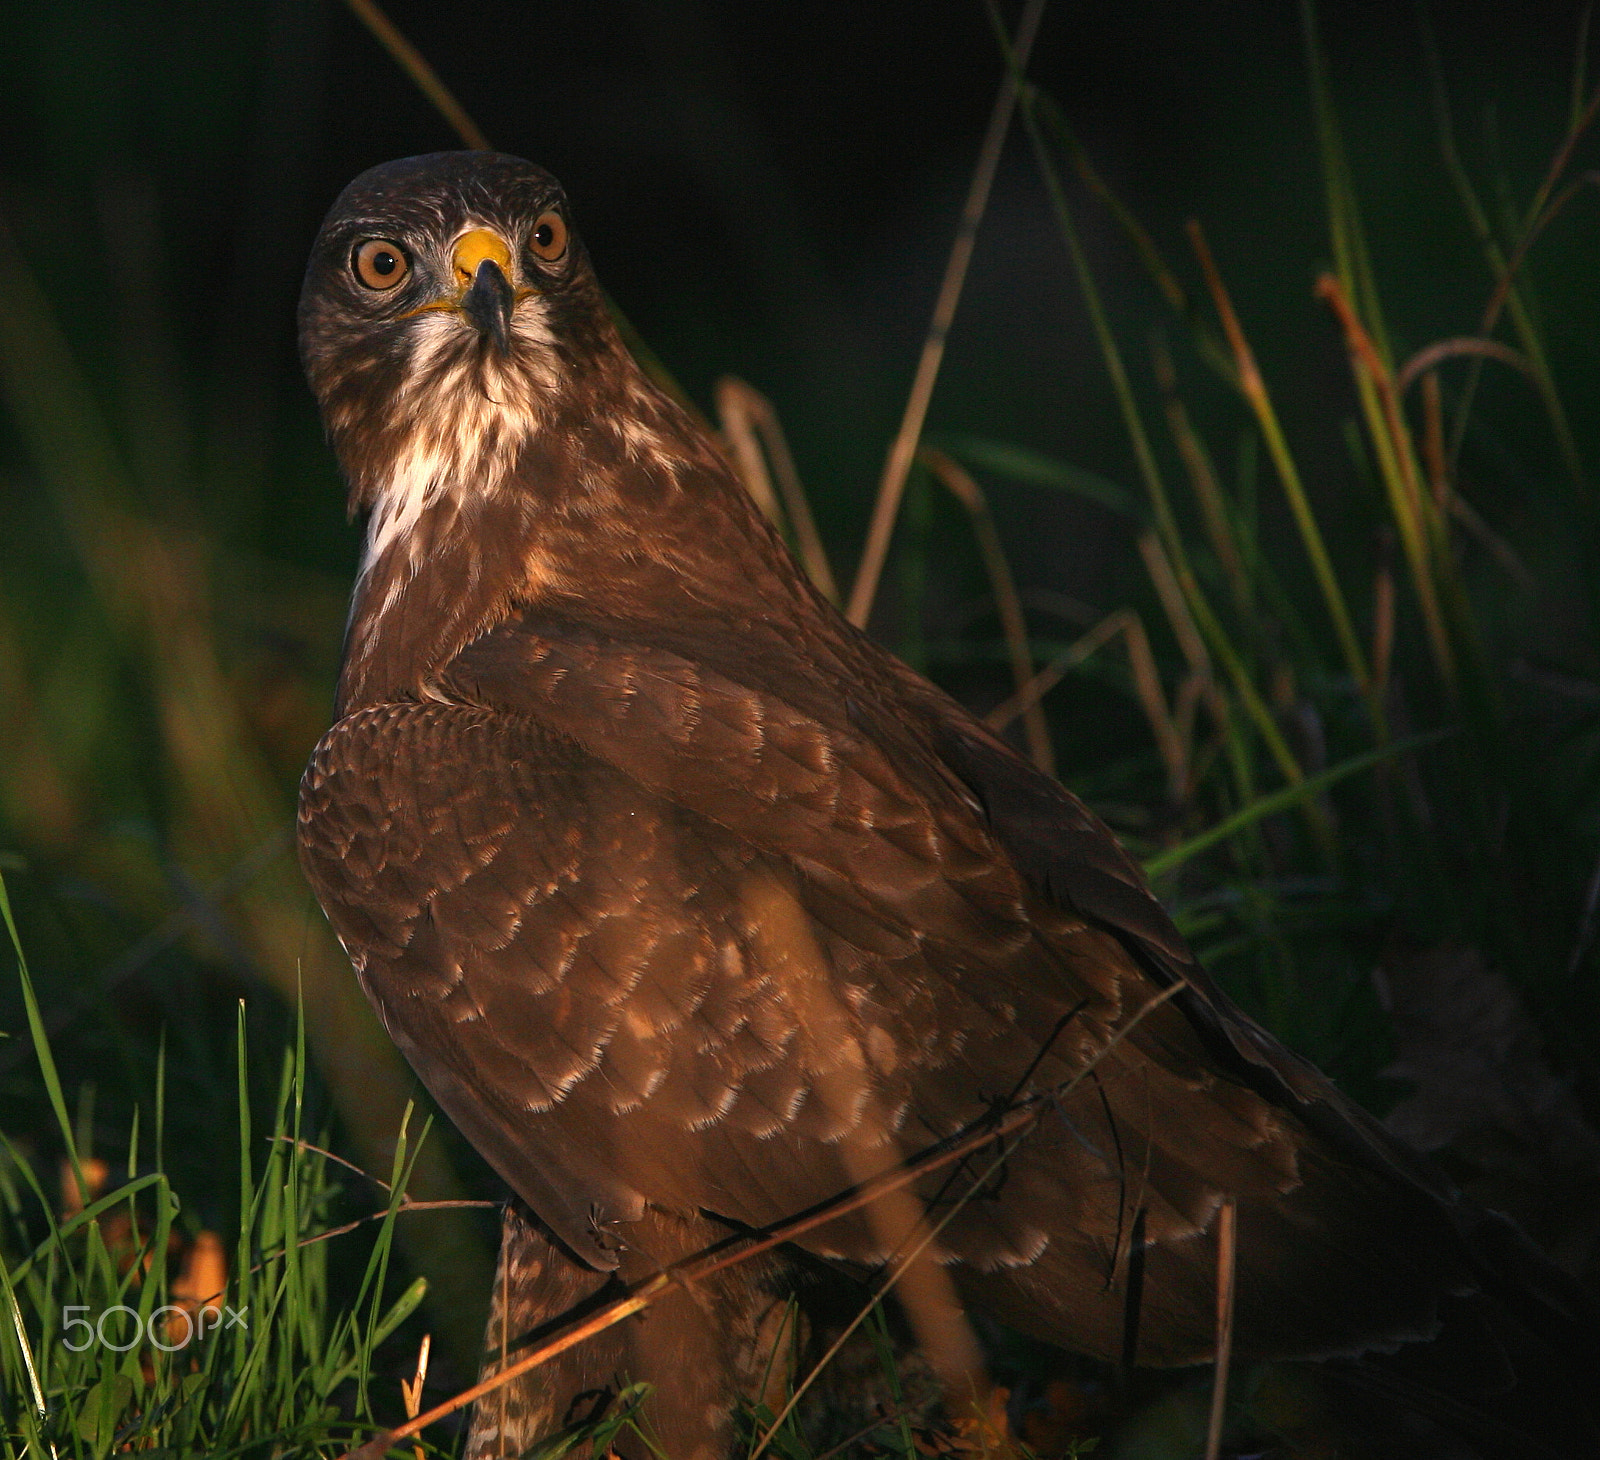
[[692, 906]]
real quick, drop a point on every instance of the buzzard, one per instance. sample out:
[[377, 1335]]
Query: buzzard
[[693, 907]]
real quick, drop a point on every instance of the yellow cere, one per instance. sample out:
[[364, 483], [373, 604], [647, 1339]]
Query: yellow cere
[[473, 248]]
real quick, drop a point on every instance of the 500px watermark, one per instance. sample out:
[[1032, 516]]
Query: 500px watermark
[[169, 1328]]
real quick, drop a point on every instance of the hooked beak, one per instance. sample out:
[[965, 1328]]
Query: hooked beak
[[481, 262]]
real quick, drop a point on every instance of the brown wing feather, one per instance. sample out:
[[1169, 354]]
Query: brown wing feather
[[663, 937]]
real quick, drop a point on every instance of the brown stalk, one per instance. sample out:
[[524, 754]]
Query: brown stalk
[[1199, 685], [741, 1246], [1192, 688], [1433, 447], [753, 430], [1436, 455], [1055, 671], [405, 1204], [1382, 629], [1364, 355], [415, 65], [1173, 603], [1539, 215], [1146, 683], [736, 416], [1203, 480], [1458, 347], [1254, 390], [454, 1204], [1412, 509], [1193, 648], [1144, 245], [1007, 602], [898, 464], [1498, 548], [1226, 1263]]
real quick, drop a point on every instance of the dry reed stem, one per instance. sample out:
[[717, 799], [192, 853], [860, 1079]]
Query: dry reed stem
[[1007, 601], [1414, 514], [736, 417], [1001, 716], [1226, 1263], [426, 79], [411, 1389], [1460, 347], [1434, 455], [1191, 644], [1498, 548], [1539, 215], [1254, 389], [1382, 628], [709, 1261], [1146, 682], [892, 486], [1203, 480], [752, 428]]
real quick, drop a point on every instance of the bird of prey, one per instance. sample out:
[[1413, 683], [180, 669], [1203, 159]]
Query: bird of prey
[[693, 907]]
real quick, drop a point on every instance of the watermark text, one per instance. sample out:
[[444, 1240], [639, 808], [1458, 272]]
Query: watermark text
[[169, 1328]]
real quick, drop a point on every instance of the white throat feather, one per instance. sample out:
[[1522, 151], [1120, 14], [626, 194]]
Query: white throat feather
[[462, 419]]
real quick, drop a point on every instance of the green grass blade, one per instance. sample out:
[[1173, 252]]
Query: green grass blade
[[41, 1047], [1283, 800], [1035, 469]]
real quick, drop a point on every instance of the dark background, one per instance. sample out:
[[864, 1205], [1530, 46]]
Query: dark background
[[767, 190]]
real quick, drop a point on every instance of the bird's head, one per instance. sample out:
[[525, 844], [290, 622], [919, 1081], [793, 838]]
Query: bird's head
[[447, 309]]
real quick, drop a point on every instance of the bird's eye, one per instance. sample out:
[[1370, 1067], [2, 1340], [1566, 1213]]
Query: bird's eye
[[379, 264], [549, 237]]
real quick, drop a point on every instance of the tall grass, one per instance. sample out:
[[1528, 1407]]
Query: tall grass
[[105, 1347], [1295, 654]]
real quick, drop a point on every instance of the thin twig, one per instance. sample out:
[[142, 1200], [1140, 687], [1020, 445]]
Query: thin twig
[[1455, 348], [1007, 601], [1055, 671], [307, 1148], [1226, 1264], [1203, 479], [751, 424], [1382, 628], [1433, 448], [1418, 524], [1170, 741], [898, 464], [1254, 389], [406, 1205], [1538, 214], [415, 65], [899, 1270]]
